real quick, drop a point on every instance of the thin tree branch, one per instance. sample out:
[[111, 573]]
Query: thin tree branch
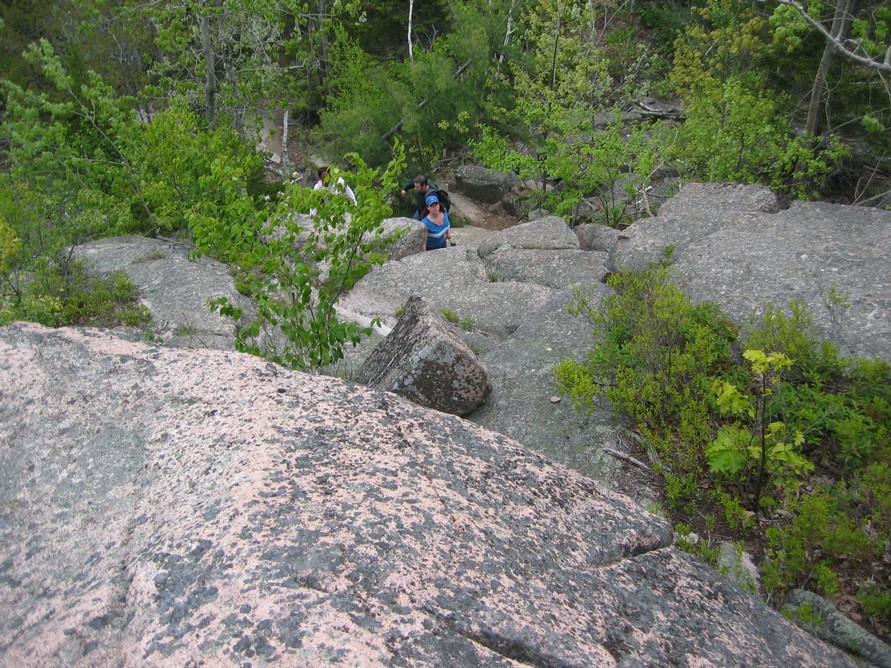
[[874, 63]]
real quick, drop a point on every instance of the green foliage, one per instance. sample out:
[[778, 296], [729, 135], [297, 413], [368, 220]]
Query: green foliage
[[69, 295], [804, 613], [185, 168], [793, 334], [736, 127], [876, 602], [828, 529], [297, 266], [666, 18], [752, 447], [732, 438], [655, 359], [549, 134], [840, 406], [73, 150], [230, 59], [689, 542], [85, 167], [10, 245], [101, 171], [427, 100]]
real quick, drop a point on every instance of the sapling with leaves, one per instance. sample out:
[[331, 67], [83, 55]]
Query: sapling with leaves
[[752, 447], [297, 266]]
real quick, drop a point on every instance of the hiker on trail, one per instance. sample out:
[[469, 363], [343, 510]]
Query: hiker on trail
[[422, 188], [437, 223], [338, 186]]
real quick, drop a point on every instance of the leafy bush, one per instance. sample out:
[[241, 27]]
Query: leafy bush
[[797, 436], [840, 406], [762, 452], [736, 126], [830, 532], [296, 266], [61, 295], [655, 360]]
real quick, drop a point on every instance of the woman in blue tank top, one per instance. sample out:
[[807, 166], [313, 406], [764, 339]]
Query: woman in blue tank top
[[437, 223]]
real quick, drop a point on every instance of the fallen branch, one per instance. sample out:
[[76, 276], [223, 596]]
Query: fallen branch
[[628, 458], [642, 442]]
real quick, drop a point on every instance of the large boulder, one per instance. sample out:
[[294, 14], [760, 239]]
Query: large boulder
[[171, 507], [402, 237], [547, 234], [554, 269], [695, 212], [456, 279], [484, 185], [424, 360]]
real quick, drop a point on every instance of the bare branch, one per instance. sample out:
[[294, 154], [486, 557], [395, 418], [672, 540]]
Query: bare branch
[[874, 63]]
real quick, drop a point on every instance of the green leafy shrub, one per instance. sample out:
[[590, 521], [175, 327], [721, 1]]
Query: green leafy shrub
[[839, 405], [296, 266], [753, 447], [61, 295], [655, 360], [737, 126], [846, 527], [797, 436]]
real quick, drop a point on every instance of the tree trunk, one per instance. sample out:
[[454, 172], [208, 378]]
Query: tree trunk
[[210, 77], [508, 31], [322, 10], [841, 26], [286, 159], [411, 9]]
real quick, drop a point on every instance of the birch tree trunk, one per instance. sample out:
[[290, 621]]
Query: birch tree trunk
[[411, 9], [322, 10], [508, 30]]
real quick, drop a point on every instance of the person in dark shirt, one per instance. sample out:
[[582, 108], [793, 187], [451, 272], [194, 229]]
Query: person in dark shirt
[[421, 187]]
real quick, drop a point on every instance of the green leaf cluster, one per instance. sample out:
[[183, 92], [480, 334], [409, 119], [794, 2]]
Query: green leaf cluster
[[752, 447], [834, 527], [655, 360], [298, 258]]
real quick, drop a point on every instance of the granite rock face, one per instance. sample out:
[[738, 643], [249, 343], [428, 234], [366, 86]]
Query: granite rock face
[[732, 245], [425, 360], [484, 185], [170, 507], [174, 287]]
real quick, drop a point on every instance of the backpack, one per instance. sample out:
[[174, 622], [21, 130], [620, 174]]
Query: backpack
[[443, 198]]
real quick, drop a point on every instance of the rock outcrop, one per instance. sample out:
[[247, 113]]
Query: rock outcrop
[[732, 245], [484, 185], [173, 507], [174, 286], [820, 617], [425, 360]]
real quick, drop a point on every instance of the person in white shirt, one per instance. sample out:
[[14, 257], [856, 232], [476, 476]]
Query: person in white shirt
[[324, 183]]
